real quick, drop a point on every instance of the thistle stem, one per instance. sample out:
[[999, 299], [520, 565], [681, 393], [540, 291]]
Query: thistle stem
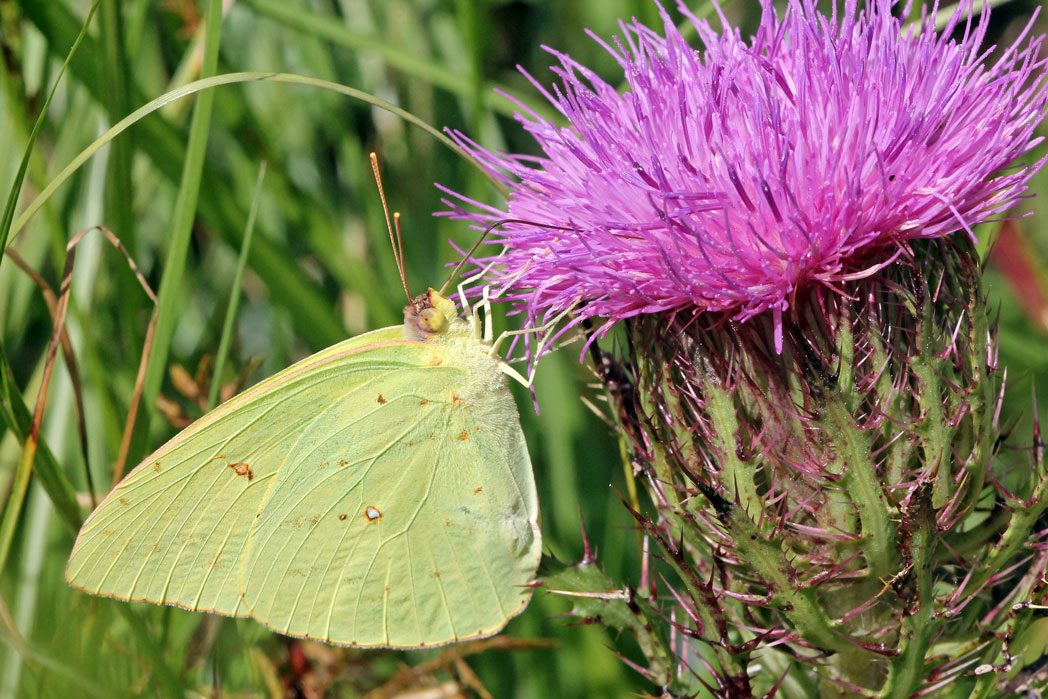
[[935, 434], [861, 483], [907, 671], [798, 603], [1024, 517], [736, 476]]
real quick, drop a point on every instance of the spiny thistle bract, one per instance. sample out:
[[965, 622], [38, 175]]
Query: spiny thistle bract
[[806, 374]]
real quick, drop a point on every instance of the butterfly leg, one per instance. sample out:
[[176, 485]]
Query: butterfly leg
[[480, 328], [486, 330], [488, 333], [489, 323], [524, 381], [543, 331], [476, 277]]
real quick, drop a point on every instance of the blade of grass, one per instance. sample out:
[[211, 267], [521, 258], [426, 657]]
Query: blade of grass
[[147, 344], [234, 296], [37, 522], [14, 636], [274, 263], [15, 413], [310, 309], [119, 186], [16, 186], [164, 144], [70, 361], [229, 79], [165, 679], [51, 476], [422, 67], [36, 660], [169, 305], [30, 440]]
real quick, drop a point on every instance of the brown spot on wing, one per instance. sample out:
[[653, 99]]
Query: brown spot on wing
[[476, 491], [372, 513], [342, 517], [241, 468], [423, 402], [436, 573], [381, 399], [455, 400], [435, 361], [464, 435]]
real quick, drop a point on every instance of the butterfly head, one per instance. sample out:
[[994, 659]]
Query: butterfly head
[[428, 315]]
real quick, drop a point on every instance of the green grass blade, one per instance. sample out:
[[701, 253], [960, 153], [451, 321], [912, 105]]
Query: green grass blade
[[164, 144], [234, 296], [184, 214], [423, 67], [119, 185], [16, 186], [230, 79], [16, 414], [47, 662], [14, 405]]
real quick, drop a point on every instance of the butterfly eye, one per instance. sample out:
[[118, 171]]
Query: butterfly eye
[[431, 320]]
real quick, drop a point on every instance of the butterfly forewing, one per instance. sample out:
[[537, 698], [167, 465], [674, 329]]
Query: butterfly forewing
[[378, 493], [406, 517], [174, 530]]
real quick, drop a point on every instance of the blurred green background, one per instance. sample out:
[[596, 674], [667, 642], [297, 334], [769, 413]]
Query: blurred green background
[[320, 269]]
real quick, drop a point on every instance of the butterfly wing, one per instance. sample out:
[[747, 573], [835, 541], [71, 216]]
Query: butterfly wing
[[174, 530], [406, 515]]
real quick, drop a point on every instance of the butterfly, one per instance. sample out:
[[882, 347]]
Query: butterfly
[[377, 493]]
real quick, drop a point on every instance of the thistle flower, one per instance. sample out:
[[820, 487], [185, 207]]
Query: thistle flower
[[735, 178], [782, 226]]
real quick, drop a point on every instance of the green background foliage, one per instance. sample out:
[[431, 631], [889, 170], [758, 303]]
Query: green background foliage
[[177, 187]]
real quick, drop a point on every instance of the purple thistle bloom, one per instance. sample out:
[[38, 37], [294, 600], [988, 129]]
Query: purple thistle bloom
[[735, 178], [815, 474]]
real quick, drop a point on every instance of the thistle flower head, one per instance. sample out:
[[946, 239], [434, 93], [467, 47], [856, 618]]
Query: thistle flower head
[[734, 178], [808, 380]]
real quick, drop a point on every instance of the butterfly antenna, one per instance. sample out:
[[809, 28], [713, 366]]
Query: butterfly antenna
[[400, 246], [394, 240], [464, 260], [487, 231]]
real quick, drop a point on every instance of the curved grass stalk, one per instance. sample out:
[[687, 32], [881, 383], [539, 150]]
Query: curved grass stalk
[[233, 79]]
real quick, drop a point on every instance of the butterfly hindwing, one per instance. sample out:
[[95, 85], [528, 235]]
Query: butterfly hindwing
[[406, 515], [378, 493], [174, 530]]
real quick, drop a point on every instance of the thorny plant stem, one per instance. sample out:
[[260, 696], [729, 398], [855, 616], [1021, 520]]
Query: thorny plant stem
[[982, 401], [929, 392], [736, 476], [711, 619], [799, 604], [1024, 516], [907, 671], [860, 481]]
